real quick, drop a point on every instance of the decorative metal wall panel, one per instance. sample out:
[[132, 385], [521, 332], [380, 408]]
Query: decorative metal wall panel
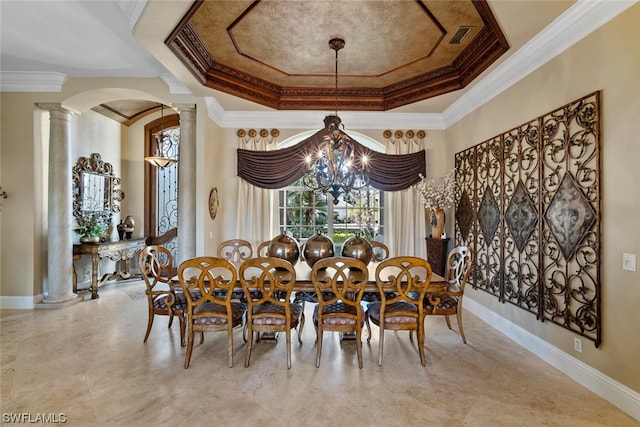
[[489, 237], [570, 190], [466, 206], [521, 216], [529, 207]]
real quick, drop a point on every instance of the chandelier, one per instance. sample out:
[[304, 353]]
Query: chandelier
[[160, 158], [334, 169]]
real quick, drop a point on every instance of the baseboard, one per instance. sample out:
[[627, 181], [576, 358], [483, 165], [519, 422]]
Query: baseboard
[[17, 303], [607, 388]]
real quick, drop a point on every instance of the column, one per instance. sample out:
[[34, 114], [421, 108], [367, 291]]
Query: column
[[187, 183], [60, 246]]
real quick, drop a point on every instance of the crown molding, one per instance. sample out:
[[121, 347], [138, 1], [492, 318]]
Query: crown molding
[[31, 81], [313, 119], [581, 19], [175, 86], [133, 10]]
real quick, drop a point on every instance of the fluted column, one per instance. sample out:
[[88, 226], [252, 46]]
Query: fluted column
[[60, 245], [187, 182]]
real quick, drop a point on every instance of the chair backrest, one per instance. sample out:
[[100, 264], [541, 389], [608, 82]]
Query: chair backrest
[[339, 279], [273, 278], [459, 266], [208, 279], [263, 248], [403, 279], [380, 251], [235, 250], [156, 265]]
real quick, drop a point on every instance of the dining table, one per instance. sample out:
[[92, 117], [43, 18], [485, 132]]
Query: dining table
[[304, 284]]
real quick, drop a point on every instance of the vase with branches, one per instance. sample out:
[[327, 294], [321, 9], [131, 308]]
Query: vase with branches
[[436, 197]]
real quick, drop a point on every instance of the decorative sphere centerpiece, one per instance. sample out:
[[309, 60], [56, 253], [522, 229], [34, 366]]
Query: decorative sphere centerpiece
[[317, 248], [285, 247], [357, 247]]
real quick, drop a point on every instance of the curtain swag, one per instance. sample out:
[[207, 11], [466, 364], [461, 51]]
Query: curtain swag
[[279, 168]]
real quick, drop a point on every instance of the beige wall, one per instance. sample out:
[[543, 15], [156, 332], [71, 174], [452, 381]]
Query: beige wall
[[20, 209], [607, 60]]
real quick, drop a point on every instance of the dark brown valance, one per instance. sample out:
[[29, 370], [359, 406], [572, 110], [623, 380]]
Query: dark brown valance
[[279, 168]]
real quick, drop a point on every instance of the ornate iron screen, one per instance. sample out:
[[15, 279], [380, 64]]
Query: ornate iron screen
[[167, 192], [529, 207]]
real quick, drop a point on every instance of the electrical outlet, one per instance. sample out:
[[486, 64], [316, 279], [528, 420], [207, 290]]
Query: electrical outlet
[[87, 273], [629, 262], [577, 344]]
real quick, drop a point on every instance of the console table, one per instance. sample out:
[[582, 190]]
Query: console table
[[122, 250], [437, 255]]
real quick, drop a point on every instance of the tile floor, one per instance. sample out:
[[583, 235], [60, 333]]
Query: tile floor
[[88, 362]]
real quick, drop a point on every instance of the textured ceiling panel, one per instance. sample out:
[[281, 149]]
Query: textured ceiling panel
[[396, 52]]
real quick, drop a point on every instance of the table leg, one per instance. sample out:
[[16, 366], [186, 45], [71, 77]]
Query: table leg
[[75, 275], [94, 276]]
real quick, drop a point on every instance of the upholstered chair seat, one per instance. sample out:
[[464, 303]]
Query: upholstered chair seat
[[209, 313], [332, 314], [394, 313], [162, 302], [296, 310]]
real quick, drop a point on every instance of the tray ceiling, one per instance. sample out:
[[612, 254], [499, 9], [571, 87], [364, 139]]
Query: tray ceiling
[[276, 53]]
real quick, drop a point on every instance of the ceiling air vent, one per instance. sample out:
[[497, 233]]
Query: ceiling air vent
[[460, 35]]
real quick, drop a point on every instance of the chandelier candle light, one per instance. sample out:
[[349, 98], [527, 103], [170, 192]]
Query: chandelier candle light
[[436, 198], [334, 169]]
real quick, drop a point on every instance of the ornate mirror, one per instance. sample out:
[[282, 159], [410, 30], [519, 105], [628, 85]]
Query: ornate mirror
[[96, 191]]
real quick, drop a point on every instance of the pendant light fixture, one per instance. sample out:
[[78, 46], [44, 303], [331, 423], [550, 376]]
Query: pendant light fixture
[[334, 169], [160, 159]]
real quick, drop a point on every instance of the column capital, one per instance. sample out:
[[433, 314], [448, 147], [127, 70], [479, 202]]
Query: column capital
[[54, 106], [184, 108]]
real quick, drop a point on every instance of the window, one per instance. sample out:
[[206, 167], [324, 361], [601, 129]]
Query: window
[[303, 213]]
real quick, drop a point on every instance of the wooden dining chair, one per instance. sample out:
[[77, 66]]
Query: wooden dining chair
[[156, 268], [207, 283], [339, 283], [380, 251], [270, 309], [235, 250], [402, 310], [263, 249], [449, 301]]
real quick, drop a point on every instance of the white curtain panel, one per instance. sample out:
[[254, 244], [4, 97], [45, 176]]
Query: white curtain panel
[[257, 207], [404, 212]]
